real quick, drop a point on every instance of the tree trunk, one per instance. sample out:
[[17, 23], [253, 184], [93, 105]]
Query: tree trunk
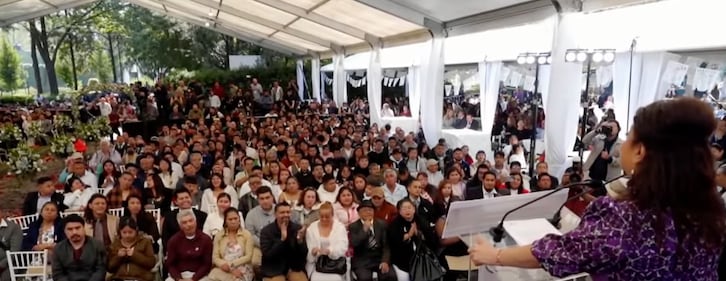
[[120, 60], [34, 57], [113, 58], [73, 62], [228, 51], [44, 50]]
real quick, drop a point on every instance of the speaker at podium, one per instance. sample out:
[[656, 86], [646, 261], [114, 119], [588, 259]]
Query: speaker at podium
[[469, 219]]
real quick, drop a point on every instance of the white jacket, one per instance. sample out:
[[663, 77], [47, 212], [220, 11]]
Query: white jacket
[[338, 239], [209, 201]]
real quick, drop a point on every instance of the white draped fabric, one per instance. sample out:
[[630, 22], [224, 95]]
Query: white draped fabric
[[315, 76], [374, 85], [340, 83], [651, 86], [490, 74], [625, 89], [300, 79], [563, 102], [433, 86], [414, 86], [544, 84]]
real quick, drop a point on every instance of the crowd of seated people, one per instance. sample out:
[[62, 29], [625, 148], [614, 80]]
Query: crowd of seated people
[[262, 199]]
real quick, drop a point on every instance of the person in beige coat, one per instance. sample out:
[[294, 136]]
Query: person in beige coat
[[232, 255], [96, 216]]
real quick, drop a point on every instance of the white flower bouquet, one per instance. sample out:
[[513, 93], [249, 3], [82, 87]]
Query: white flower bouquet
[[9, 132], [61, 145], [24, 160]]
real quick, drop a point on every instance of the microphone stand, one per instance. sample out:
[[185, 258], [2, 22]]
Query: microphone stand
[[497, 232]]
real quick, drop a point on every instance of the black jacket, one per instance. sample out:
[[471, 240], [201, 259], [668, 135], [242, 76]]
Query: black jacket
[[402, 251], [278, 257], [31, 237], [365, 257], [246, 203], [90, 267], [475, 192], [30, 205]]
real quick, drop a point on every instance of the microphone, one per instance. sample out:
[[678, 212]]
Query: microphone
[[556, 218], [497, 232]]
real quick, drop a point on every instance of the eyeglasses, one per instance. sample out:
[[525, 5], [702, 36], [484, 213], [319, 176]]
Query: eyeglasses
[[376, 197]]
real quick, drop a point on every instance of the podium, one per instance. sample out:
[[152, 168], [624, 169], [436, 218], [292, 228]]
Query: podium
[[468, 219]]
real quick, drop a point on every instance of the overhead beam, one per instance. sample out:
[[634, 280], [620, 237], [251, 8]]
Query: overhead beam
[[8, 2], [309, 15], [45, 12], [403, 12], [265, 22], [260, 41], [520, 14]]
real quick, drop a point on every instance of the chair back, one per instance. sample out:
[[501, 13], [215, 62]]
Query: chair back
[[68, 213], [24, 221], [118, 212], [157, 216], [174, 207], [28, 265]]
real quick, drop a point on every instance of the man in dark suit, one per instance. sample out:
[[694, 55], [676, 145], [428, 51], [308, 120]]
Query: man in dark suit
[[35, 200], [368, 238], [487, 189], [183, 200], [471, 123], [424, 208]]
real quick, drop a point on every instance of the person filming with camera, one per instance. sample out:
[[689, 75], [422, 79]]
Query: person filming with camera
[[603, 163]]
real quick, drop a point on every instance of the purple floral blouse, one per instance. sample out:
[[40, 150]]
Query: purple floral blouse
[[616, 241]]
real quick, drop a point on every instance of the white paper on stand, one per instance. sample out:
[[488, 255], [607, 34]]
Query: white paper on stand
[[525, 232], [478, 216]]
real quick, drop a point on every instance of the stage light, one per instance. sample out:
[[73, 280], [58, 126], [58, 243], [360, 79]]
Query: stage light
[[609, 56], [530, 59], [549, 60], [581, 56], [211, 13], [542, 59], [570, 56], [521, 60], [206, 23], [597, 57]]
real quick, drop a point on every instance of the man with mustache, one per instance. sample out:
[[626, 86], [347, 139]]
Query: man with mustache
[[79, 257]]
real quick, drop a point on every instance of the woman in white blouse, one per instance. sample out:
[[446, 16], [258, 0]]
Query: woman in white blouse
[[210, 195], [221, 168], [326, 237], [215, 220], [77, 194], [166, 174]]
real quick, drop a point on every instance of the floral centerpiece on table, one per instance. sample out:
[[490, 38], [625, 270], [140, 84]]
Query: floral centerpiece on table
[[35, 130], [61, 122], [61, 145], [93, 130], [9, 133], [24, 160]]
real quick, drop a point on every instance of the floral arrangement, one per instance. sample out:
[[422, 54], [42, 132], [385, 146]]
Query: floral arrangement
[[35, 129], [61, 122], [9, 132], [93, 130], [24, 160], [61, 145]]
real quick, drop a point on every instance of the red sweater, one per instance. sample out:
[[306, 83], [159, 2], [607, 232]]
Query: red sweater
[[193, 255]]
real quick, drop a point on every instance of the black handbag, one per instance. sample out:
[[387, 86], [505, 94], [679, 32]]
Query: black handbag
[[425, 266], [325, 264]]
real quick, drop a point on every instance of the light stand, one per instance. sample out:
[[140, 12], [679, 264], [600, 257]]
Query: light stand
[[603, 56], [537, 59]]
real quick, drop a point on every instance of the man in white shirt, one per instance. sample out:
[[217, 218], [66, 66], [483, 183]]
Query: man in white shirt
[[394, 192], [104, 107], [257, 170], [432, 171], [328, 191]]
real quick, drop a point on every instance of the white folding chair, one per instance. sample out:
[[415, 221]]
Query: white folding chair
[[68, 213], [159, 258], [119, 212], [174, 207], [24, 221], [31, 265]]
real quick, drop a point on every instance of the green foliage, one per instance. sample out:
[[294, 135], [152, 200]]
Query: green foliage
[[11, 71], [265, 75], [100, 65], [21, 100]]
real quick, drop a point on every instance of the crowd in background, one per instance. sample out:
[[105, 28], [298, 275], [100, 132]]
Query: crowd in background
[[251, 182]]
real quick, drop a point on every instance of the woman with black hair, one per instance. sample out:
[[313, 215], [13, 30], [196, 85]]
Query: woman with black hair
[[76, 194], [407, 232], [131, 257], [145, 221], [155, 195], [99, 224], [232, 255], [46, 231]]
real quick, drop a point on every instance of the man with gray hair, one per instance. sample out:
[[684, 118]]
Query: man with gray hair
[[394, 192], [189, 256]]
